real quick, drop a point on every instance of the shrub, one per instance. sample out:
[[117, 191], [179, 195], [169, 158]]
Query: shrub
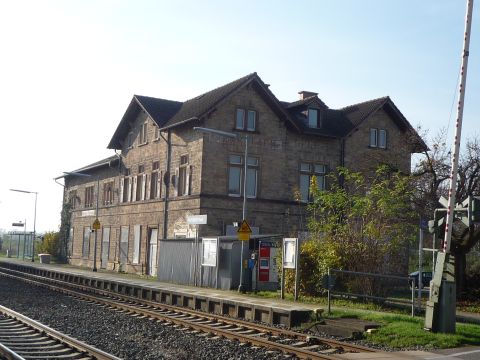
[[50, 244]]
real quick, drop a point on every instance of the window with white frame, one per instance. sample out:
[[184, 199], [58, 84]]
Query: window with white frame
[[108, 193], [183, 176], [141, 182], [143, 134], [89, 194], [156, 134], [378, 138], [155, 181], [307, 172], [245, 119], [235, 176]]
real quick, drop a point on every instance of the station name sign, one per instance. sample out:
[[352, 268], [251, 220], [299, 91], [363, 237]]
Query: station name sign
[[197, 219]]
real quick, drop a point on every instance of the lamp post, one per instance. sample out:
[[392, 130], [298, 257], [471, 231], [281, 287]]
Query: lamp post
[[241, 287], [34, 218], [96, 213]]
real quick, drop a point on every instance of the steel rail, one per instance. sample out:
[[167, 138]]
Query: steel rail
[[200, 321], [213, 317], [10, 352]]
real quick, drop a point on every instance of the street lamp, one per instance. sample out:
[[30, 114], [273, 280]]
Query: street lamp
[[96, 213], [34, 218], [241, 287]]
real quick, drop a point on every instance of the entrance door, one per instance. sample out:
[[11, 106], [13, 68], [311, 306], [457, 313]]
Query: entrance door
[[152, 253], [105, 247]]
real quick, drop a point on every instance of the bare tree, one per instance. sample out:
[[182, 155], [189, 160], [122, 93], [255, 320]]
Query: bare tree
[[431, 175]]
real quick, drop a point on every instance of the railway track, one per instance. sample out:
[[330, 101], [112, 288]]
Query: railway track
[[303, 346], [24, 338]]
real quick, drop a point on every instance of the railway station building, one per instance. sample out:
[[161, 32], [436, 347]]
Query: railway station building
[[162, 170]]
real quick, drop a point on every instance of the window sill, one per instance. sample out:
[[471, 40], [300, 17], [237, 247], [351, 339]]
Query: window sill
[[142, 144]]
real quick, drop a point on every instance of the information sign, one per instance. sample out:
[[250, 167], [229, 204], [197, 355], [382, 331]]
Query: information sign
[[197, 219], [289, 253], [209, 254]]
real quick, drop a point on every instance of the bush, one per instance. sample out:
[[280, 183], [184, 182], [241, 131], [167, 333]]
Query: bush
[[50, 244]]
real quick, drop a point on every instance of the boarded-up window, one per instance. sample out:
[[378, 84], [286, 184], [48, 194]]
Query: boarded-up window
[[86, 242], [136, 244], [123, 244]]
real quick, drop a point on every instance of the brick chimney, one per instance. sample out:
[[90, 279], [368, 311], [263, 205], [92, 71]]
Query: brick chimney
[[306, 94]]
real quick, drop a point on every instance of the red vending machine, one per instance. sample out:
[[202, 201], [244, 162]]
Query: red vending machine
[[267, 272]]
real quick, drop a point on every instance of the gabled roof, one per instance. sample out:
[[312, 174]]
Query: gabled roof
[[357, 113], [168, 113], [107, 162], [307, 101], [335, 123], [204, 103], [160, 110]]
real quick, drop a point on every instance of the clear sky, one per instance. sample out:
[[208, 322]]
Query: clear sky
[[68, 70]]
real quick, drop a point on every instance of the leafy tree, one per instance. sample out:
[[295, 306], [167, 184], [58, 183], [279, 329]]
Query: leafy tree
[[51, 244], [65, 224], [361, 225]]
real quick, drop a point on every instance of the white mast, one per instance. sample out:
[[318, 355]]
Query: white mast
[[458, 131]]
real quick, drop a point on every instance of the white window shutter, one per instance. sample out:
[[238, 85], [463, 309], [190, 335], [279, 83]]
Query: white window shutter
[[175, 183], [134, 190], [187, 182], [129, 195], [159, 185], [144, 185], [122, 183]]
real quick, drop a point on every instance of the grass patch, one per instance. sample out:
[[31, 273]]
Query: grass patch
[[404, 332]]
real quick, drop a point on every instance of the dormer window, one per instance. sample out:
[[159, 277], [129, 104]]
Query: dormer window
[[313, 116], [245, 119]]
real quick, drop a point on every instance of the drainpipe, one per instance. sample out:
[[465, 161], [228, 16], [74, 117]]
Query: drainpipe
[[167, 183]]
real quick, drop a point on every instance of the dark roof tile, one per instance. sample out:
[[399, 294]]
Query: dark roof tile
[[202, 104], [358, 112], [160, 110]]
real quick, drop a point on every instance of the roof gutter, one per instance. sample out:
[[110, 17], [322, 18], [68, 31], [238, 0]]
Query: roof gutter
[[179, 123]]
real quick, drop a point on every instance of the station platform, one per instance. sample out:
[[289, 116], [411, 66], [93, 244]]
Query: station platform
[[232, 303]]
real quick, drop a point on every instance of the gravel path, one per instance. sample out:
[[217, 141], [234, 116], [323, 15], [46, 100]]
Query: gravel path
[[122, 335]]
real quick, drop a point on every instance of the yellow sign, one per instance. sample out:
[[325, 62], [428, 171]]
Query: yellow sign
[[244, 231], [96, 225]]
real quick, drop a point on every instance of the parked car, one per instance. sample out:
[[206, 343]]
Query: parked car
[[426, 278]]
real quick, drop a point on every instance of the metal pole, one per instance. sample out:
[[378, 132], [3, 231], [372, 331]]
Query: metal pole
[[196, 256], [329, 295], [413, 298], [452, 191], [296, 270], [24, 238], [96, 231], [241, 287], [34, 228], [420, 270]]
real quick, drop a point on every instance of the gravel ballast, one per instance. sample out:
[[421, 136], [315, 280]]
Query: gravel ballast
[[122, 335]]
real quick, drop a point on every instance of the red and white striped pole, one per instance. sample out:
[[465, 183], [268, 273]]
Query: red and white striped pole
[[458, 131]]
